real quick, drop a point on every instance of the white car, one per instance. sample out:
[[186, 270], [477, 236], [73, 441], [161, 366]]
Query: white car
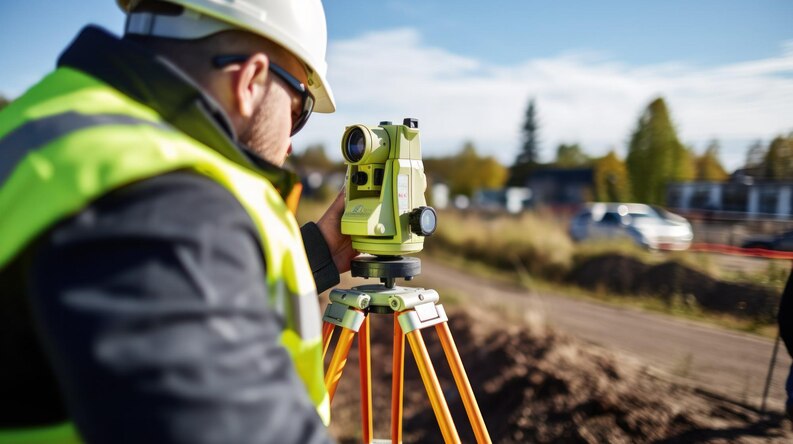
[[650, 227]]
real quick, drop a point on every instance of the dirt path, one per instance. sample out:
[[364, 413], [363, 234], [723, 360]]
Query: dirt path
[[720, 361]]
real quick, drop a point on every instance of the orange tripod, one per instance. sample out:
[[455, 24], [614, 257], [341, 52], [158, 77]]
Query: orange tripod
[[413, 309]]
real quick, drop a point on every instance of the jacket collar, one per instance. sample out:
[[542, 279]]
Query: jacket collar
[[155, 82]]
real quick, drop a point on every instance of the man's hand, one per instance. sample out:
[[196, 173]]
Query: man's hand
[[339, 244]]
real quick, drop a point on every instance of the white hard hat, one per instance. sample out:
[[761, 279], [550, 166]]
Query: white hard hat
[[296, 25]]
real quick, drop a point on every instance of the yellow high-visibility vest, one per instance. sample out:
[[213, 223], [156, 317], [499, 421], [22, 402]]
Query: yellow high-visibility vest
[[72, 139]]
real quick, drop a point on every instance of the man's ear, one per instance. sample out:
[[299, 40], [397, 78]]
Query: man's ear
[[249, 85]]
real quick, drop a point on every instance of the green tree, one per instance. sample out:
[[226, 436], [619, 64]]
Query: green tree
[[611, 179], [3, 101], [778, 162], [655, 155], [686, 164], [571, 156], [709, 166]]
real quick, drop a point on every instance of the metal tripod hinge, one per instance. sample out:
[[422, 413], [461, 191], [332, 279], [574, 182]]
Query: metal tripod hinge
[[346, 308], [423, 316]]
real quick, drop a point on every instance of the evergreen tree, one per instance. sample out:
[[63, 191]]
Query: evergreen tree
[[611, 179], [655, 155], [530, 148], [528, 156], [709, 167]]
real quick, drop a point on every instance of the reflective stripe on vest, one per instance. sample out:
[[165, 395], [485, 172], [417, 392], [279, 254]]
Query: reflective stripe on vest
[[53, 166]]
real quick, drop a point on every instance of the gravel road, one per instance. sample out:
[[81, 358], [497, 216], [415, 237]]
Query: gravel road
[[719, 361]]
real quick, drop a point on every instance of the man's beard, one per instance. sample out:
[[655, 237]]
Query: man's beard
[[258, 138]]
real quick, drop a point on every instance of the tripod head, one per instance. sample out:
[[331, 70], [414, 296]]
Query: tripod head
[[387, 268]]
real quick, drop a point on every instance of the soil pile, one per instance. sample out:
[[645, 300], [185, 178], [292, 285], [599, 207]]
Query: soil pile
[[535, 385], [625, 275]]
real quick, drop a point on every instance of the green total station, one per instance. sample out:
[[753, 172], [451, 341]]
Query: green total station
[[386, 213]]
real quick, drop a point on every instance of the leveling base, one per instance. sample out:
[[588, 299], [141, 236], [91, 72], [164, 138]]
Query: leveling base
[[412, 309]]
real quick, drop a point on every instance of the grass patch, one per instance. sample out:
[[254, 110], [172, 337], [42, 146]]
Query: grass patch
[[530, 241]]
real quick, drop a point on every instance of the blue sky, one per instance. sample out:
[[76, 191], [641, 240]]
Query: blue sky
[[468, 68]]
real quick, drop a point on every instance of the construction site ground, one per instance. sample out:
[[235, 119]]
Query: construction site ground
[[547, 368]]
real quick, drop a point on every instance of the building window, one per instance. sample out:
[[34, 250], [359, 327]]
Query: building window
[[769, 196], [674, 197], [735, 197], [700, 200]]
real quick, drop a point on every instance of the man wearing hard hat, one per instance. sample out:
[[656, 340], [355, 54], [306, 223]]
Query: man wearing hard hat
[[154, 285]]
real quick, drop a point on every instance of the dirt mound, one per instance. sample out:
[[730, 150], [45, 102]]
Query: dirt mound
[[625, 275], [611, 271], [539, 386]]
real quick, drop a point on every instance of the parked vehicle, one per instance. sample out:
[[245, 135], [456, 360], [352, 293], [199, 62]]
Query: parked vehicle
[[650, 227], [780, 242]]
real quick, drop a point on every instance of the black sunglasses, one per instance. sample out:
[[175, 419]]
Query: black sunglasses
[[306, 98]]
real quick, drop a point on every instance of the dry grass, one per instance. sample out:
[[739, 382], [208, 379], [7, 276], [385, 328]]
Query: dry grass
[[532, 242]]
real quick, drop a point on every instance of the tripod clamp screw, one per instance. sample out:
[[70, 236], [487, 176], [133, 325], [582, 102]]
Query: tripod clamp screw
[[351, 298], [408, 300]]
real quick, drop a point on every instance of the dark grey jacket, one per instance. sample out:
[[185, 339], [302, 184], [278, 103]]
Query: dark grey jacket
[[144, 318], [786, 315]]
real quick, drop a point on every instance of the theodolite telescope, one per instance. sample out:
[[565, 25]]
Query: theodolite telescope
[[385, 210]]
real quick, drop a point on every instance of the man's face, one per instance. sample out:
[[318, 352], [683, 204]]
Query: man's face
[[267, 131]]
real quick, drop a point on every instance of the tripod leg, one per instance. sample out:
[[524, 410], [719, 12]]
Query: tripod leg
[[433, 387], [463, 385], [327, 334], [365, 366], [397, 380], [338, 360]]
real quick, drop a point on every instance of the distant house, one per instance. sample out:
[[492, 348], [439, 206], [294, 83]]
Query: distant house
[[741, 196], [561, 187], [512, 199]]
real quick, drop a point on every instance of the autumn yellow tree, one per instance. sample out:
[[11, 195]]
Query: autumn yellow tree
[[779, 158], [709, 166], [467, 172], [611, 179]]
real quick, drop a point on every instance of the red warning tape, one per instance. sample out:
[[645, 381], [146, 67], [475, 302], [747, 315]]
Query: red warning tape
[[753, 252]]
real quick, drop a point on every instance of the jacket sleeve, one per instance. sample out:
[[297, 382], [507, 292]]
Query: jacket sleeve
[[786, 315], [320, 260], [153, 308]]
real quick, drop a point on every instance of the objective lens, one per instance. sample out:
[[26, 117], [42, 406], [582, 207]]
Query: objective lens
[[355, 147]]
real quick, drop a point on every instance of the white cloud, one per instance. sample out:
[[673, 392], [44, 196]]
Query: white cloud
[[581, 97]]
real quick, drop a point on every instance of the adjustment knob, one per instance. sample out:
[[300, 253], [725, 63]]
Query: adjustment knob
[[423, 221]]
